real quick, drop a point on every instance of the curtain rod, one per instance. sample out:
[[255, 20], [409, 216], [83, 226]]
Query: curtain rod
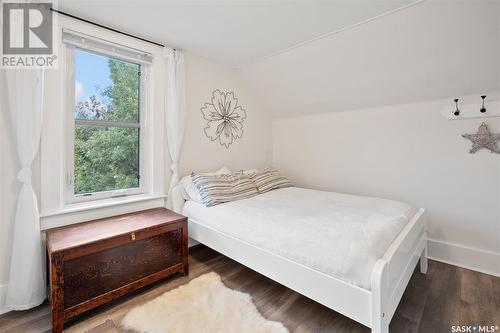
[[107, 28]]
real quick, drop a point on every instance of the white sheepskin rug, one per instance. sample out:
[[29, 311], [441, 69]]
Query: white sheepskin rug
[[204, 305]]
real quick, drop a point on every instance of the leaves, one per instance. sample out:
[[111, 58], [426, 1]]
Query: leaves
[[108, 158]]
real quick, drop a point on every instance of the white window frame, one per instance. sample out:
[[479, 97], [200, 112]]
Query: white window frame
[[144, 112]]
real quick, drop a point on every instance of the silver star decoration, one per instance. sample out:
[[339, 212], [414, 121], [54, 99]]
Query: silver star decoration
[[483, 139]]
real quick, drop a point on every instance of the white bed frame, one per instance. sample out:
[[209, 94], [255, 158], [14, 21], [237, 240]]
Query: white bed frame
[[373, 308]]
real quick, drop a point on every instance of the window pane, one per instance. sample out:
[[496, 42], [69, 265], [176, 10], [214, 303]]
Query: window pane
[[106, 158], [106, 88]]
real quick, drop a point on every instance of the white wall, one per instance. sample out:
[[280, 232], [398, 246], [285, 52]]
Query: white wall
[[406, 152], [199, 153], [344, 135], [410, 153]]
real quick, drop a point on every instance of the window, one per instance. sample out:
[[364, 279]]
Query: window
[[136, 162], [106, 126]]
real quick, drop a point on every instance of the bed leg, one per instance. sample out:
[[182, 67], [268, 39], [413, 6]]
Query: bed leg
[[423, 260]]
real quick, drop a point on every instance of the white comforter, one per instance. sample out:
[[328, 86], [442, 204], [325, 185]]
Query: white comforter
[[337, 234]]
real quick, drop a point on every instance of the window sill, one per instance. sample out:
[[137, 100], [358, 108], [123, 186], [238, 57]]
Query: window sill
[[85, 211]]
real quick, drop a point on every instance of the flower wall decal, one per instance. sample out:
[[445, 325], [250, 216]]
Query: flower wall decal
[[224, 118]]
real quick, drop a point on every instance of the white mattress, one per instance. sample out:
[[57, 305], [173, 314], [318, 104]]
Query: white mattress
[[338, 234]]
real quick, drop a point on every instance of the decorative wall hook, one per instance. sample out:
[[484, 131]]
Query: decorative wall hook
[[483, 109], [460, 110], [457, 111]]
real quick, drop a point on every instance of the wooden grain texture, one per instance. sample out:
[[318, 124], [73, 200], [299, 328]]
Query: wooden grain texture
[[446, 296], [94, 274], [99, 261], [123, 290], [79, 234], [57, 291]]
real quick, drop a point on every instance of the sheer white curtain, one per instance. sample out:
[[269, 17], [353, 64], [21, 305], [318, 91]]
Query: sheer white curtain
[[175, 118], [24, 92]]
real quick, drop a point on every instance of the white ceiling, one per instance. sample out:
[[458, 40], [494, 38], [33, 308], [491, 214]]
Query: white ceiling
[[233, 33], [430, 50]]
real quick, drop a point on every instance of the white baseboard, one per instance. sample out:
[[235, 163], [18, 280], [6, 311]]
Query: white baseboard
[[192, 242], [467, 257], [3, 293]]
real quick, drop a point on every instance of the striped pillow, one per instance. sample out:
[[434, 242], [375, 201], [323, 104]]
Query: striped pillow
[[269, 179], [217, 189]]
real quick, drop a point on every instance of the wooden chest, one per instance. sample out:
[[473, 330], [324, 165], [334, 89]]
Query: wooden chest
[[95, 262]]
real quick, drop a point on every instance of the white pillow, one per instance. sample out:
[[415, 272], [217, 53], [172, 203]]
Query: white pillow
[[191, 192]]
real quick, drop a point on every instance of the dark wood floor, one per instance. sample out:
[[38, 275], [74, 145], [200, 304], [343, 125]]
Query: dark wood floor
[[446, 296]]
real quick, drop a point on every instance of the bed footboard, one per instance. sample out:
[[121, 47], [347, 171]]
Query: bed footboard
[[393, 272]]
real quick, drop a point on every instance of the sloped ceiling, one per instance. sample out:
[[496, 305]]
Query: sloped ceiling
[[432, 50], [298, 62], [233, 33]]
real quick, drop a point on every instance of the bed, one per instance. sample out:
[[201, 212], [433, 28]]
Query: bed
[[352, 254]]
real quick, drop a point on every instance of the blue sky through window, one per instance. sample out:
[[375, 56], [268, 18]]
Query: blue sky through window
[[92, 75]]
